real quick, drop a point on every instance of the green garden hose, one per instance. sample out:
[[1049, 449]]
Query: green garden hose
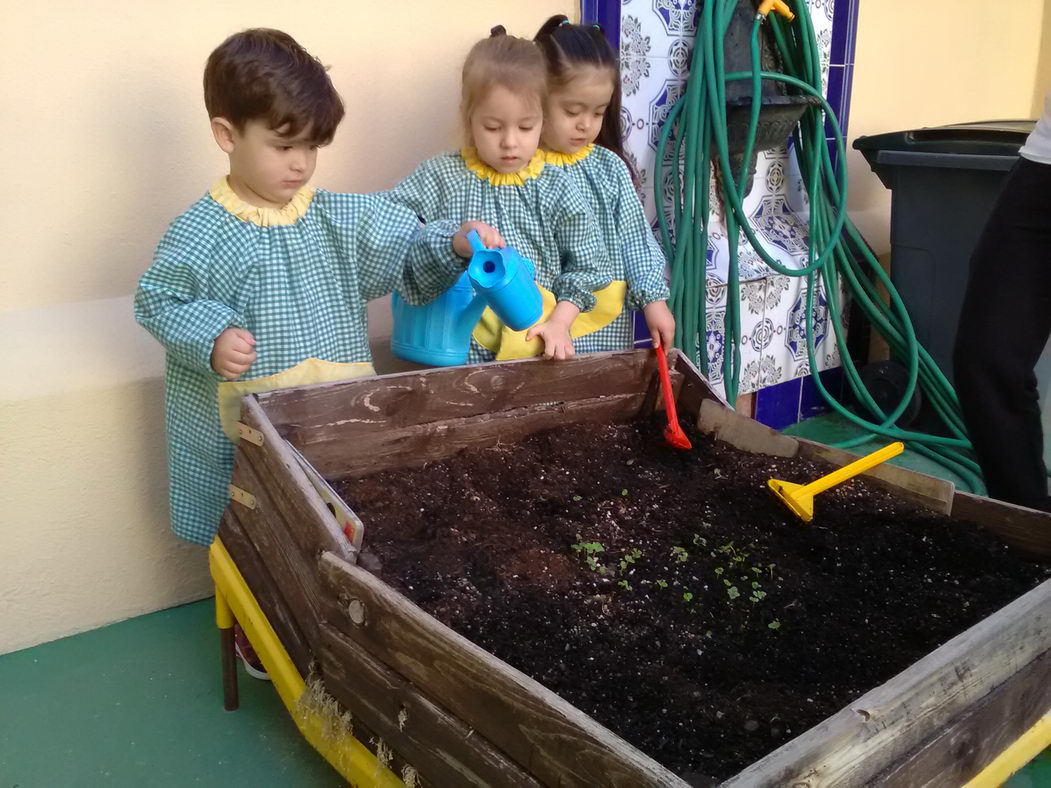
[[696, 128]]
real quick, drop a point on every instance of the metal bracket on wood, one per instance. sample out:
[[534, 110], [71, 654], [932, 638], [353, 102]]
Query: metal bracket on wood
[[243, 497], [244, 432]]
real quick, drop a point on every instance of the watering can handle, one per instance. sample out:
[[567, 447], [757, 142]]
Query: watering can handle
[[475, 241]]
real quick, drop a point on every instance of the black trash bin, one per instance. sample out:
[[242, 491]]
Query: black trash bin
[[944, 181]]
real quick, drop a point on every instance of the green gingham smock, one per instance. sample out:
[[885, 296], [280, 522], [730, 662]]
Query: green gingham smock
[[537, 211], [634, 255], [299, 287]]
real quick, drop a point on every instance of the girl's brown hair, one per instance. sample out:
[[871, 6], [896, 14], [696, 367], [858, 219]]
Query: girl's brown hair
[[510, 62], [568, 47]]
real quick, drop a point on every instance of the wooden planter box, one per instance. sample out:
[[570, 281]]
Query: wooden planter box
[[458, 715]]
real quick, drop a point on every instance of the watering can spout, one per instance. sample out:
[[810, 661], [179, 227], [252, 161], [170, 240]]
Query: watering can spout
[[504, 280]]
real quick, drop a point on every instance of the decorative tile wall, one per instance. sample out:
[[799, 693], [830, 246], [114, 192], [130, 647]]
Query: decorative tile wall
[[655, 39]]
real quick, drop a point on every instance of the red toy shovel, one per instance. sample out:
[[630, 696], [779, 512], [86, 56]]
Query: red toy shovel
[[673, 433]]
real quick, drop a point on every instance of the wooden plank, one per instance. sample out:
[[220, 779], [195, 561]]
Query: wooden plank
[[1028, 530], [392, 401], [265, 589], [270, 533], [440, 747], [862, 740], [929, 492], [742, 432], [550, 738], [419, 444], [695, 387], [313, 527], [968, 744]]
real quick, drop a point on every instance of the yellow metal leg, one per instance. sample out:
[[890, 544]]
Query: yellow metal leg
[[234, 599], [224, 617]]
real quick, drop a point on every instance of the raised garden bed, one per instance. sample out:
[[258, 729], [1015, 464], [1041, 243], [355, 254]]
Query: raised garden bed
[[747, 672], [693, 614]]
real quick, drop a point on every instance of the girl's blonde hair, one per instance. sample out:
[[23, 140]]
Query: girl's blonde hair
[[510, 62]]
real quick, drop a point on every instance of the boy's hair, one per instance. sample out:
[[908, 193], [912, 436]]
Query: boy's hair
[[566, 48], [507, 61], [265, 75]]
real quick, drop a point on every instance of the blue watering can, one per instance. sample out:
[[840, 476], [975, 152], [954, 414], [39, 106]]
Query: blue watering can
[[439, 333]]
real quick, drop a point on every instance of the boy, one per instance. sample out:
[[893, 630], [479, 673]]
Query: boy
[[266, 279]]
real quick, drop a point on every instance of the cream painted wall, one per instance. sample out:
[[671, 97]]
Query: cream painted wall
[[1043, 71], [105, 141], [926, 64]]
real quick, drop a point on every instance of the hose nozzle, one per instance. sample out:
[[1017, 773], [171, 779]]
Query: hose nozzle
[[776, 5]]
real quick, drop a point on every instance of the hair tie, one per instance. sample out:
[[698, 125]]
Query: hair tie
[[598, 27], [563, 22], [498, 30]]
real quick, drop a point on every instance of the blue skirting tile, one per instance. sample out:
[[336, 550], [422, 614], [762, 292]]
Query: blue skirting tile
[[844, 104], [778, 406], [607, 14], [833, 151], [811, 403], [851, 29], [840, 37], [642, 331], [835, 95]]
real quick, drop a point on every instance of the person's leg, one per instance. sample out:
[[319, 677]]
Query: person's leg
[[243, 648], [1003, 329]]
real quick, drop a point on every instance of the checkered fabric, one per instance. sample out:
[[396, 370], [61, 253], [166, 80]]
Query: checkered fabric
[[544, 218], [301, 289], [602, 178]]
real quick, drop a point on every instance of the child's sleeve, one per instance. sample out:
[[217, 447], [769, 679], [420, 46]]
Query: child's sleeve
[[584, 261], [171, 303], [394, 252], [643, 259], [422, 192]]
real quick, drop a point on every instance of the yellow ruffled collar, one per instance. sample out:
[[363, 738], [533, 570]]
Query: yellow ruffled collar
[[562, 159], [291, 213], [485, 172]]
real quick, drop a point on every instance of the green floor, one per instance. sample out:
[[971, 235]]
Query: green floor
[[834, 429], [139, 703]]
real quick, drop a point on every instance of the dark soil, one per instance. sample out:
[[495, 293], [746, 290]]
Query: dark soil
[[663, 637]]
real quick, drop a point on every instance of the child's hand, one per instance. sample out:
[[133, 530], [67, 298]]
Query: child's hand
[[557, 342], [233, 353], [661, 323], [554, 332], [491, 239]]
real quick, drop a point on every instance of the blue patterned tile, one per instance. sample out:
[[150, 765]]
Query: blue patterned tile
[[661, 104], [715, 341], [655, 37], [778, 406], [679, 17], [635, 39]]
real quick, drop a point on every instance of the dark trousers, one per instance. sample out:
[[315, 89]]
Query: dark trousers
[[1003, 329]]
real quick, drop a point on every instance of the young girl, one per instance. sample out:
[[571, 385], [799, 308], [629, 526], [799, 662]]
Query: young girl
[[499, 178], [583, 106]]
